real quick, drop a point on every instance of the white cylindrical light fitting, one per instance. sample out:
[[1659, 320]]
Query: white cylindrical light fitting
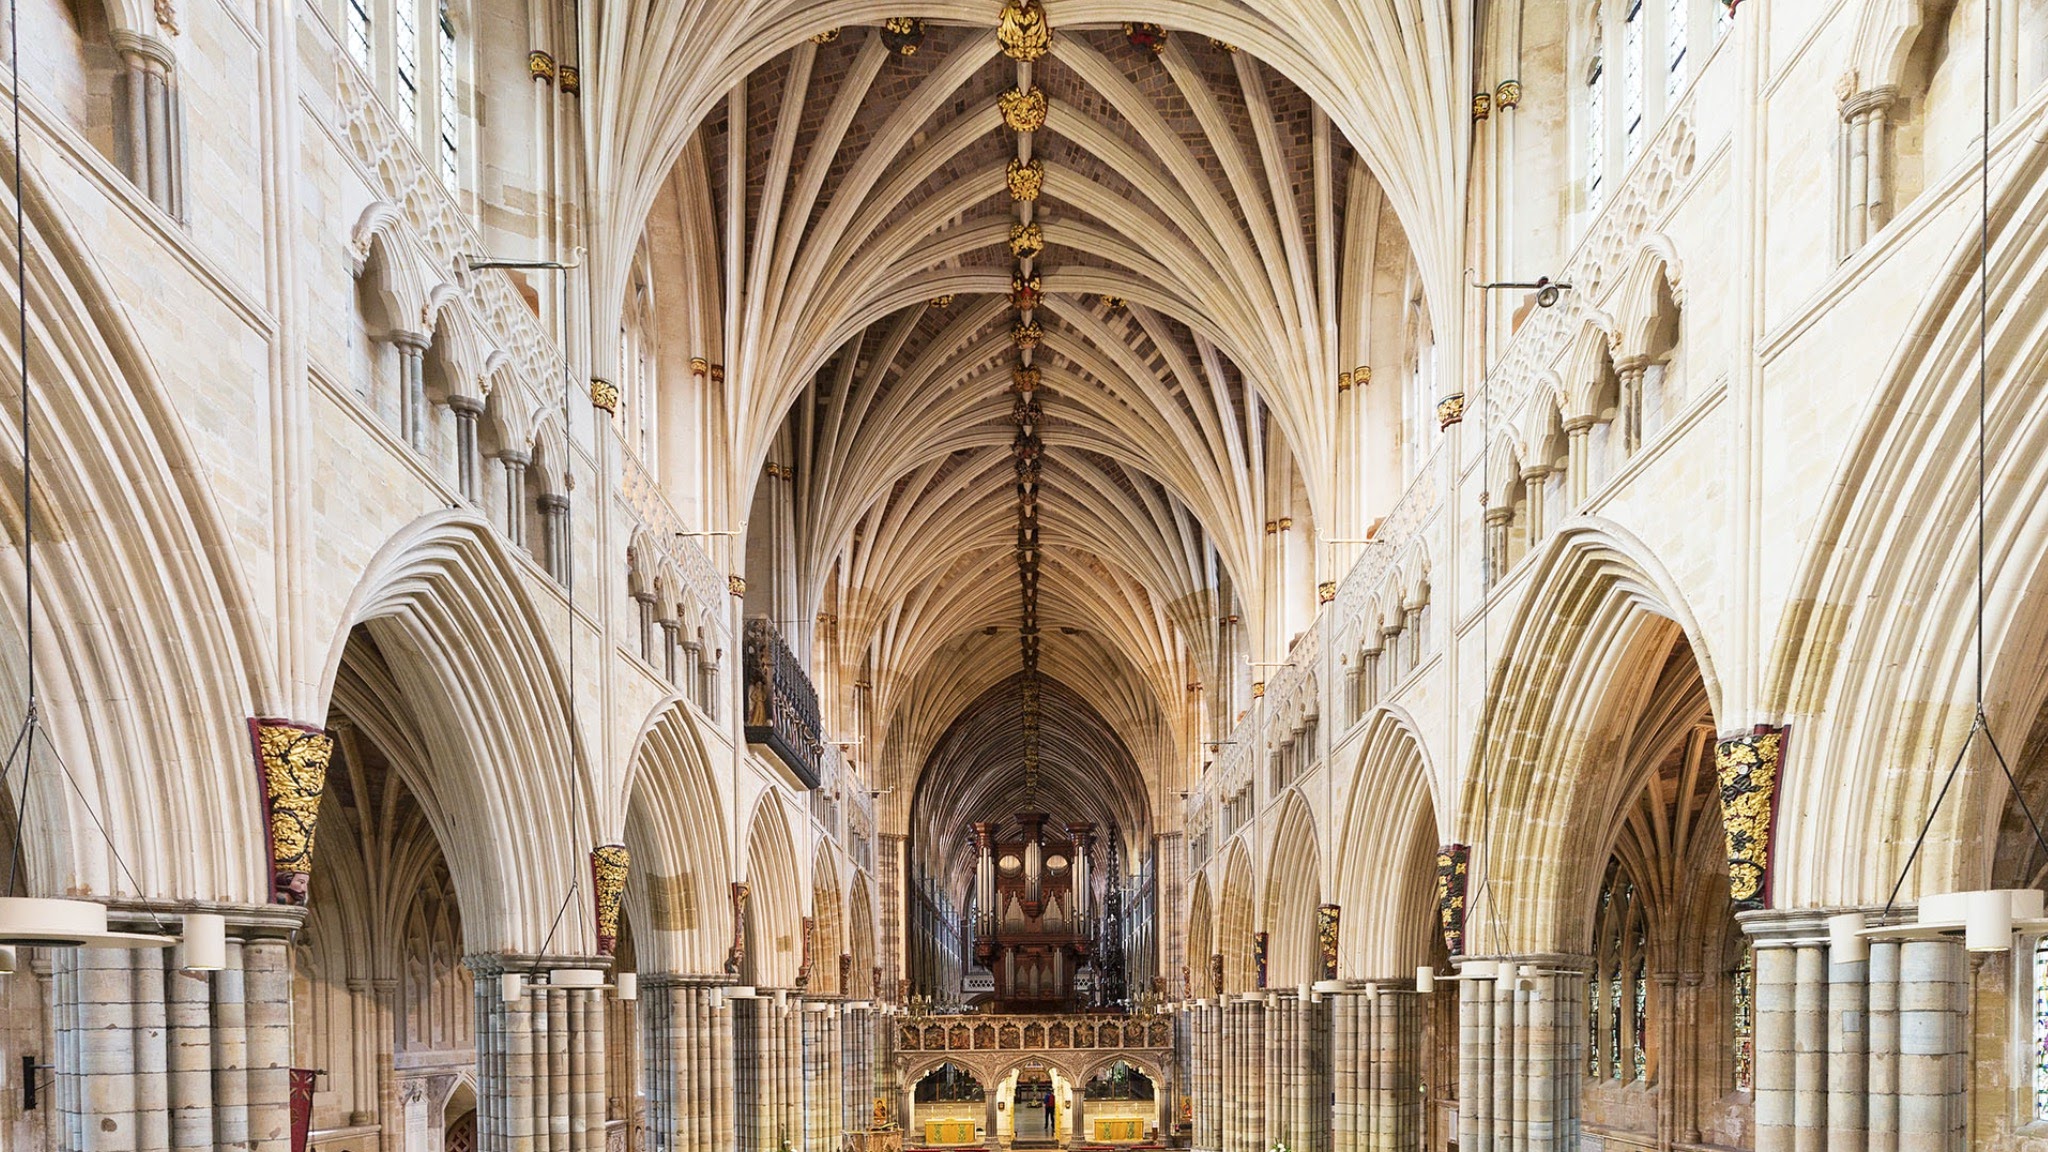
[[1989, 927], [204, 947], [1846, 945]]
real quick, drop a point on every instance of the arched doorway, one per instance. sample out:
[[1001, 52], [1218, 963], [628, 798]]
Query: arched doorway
[[458, 1120], [1034, 1102], [1120, 1105], [949, 1107]]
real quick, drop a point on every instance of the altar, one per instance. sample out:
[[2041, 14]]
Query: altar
[[1122, 1130], [948, 1133]]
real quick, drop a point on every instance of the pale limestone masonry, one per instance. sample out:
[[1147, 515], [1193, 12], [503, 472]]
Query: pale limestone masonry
[[1353, 547]]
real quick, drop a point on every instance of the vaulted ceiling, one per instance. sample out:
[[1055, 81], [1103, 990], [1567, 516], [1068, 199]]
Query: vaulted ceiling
[[1203, 230]]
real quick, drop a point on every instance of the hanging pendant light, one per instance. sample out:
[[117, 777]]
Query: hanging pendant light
[[205, 944], [626, 986], [1425, 979], [1988, 927], [1846, 943], [576, 978], [43, 922]]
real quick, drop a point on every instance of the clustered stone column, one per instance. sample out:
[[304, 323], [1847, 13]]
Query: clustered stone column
[[554, 511], [824, 1087], [687, 1032], [857, 1067], [540, 1064], [1297, 1073], [1633, 370], [1244, 1075], [1870, 1052], [1205, 1074], [1866, 164], [1498, 520], [1520, 1057], [1578, 469], [514, 463], [160, 1058], [1377, 1073], [149, 137], [468, 410], [412, 388], [768, 1054]]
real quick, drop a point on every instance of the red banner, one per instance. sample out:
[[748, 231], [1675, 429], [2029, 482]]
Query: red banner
[[302, 1107]]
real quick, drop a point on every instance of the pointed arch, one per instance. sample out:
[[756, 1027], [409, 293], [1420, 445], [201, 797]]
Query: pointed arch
[[1591, 639], [510, 793], [1293, 892], [1387, 854], [676, 833], [1236, 921], [774, 915]]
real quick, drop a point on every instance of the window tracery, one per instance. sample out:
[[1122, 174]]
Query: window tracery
[[405, 45], [1618, 1004], [1596, 133], [2040, 1054], [1743, 1020], [359, 34], [449, 111], [1675, 67], [1632, 101]]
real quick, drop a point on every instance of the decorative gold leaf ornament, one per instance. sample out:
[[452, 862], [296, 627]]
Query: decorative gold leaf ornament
[[1023, 31], [1026, 240], [1026, 179], [1024, 292], [903, 35], [1023, 111]]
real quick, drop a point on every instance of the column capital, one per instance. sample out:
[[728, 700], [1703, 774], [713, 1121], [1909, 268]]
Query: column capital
[[514, 457], [408, 341], [463, 405], [147, 51], [1789, 927], [687, 980], [1862, 103], [496, 963], [245, 921]]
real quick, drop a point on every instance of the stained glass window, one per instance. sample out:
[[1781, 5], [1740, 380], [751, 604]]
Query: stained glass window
[[444, 68], [358, 36], [1674, 49], [1639, 1057], [1593, 1027], [1614, 1023], [1632, 81], [1596, 134], [1744, 1019], [406, 53], [1618, 1004], [2041, 1029]]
